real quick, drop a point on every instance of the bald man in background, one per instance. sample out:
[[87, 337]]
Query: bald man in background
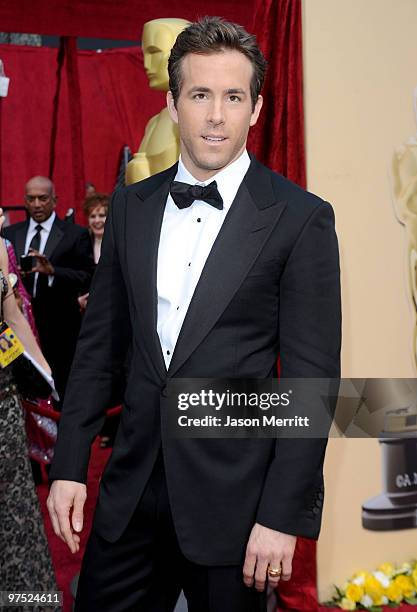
[[63, 269]]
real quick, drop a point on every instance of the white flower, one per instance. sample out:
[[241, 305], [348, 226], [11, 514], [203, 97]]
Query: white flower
[[367, 601], [405, 568], [359, 580], [382, 578], [384, 600]]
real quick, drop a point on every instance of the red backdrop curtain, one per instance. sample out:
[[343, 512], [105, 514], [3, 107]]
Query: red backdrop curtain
[[101, 101], [111, 110], [109, 18], [278, 137]]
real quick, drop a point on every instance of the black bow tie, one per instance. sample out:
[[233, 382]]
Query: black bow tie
[[184, 194]]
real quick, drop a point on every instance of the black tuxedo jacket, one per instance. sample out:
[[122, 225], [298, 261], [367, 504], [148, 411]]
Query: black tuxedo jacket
[[55, 307], [270, 288]]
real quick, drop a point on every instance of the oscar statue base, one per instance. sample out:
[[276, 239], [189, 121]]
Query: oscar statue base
[[381, 514]]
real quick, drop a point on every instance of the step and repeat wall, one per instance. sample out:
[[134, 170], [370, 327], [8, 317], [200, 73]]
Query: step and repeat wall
[[360, 75]]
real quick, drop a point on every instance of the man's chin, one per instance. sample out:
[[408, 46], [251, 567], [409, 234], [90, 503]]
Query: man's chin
[[213, 162]]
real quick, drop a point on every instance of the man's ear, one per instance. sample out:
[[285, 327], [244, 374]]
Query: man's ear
[[256, 111], [171, 107]]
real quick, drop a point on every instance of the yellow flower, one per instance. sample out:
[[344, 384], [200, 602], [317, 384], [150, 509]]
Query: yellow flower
[[361, 573], [414, 576], [347, 604], [354, 592], [373, 587], [387, 568], [393, 592], [406, 585]]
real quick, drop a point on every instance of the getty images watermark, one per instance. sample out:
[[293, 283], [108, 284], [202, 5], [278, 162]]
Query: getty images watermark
[[263, 401], [290, 408]]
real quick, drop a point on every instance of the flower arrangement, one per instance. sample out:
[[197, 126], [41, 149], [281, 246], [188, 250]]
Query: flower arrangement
[[387, 586]]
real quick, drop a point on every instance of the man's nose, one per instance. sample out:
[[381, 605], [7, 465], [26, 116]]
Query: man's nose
[[216, 113]]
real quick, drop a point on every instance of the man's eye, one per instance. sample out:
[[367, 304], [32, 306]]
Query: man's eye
[[199, 96], [234, 98]]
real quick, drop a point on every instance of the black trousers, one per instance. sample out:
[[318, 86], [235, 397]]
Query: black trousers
[[144, 571]]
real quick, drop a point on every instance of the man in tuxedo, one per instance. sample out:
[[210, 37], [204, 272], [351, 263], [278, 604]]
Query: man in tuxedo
[[214, 268], [62, 270]]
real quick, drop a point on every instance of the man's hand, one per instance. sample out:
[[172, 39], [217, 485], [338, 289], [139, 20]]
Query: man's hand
[[82, 301], [267, 547], [43, 265], [64, 495]]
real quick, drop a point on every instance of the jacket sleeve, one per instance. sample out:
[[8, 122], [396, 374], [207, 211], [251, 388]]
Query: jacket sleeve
[[310, 340], [100, 358], [82, 265]]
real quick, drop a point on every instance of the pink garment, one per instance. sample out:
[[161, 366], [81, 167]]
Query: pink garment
[[26, 302], [41, 429]]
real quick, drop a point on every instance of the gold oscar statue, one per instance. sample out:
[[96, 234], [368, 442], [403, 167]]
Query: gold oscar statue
[[159, 148], [404, 174]]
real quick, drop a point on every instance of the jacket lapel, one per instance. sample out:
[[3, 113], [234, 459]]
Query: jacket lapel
[[55, 236], [20, 240], [249, 222], [143, 227]]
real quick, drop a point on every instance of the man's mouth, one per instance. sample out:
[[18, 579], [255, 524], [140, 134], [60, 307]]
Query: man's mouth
[[214, 139]]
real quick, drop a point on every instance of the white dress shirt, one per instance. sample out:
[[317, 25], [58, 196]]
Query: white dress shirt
[[46, 229], [187, 236]]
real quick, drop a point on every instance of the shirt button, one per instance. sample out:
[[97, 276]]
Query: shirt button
[[198, 220], [189, 264], [178, 307], [168, 352]]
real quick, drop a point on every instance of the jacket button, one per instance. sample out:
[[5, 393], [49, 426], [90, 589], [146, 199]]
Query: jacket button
[[164, 391]]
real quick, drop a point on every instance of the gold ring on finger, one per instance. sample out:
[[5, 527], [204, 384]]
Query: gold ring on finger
[[274, 572]]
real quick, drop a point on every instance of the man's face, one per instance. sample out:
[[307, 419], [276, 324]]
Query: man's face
[[39, 200], [214, 110]]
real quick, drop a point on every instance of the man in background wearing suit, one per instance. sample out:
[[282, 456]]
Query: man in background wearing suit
[[62, 271], [212, 269]]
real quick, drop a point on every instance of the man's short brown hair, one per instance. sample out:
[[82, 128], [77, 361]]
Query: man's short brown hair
[[213, 35]]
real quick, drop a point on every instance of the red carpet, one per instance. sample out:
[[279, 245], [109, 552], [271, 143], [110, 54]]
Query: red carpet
[[65, 563]]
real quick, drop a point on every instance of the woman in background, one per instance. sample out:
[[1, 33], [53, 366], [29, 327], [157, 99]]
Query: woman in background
[[25, 562], [95, 208]]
